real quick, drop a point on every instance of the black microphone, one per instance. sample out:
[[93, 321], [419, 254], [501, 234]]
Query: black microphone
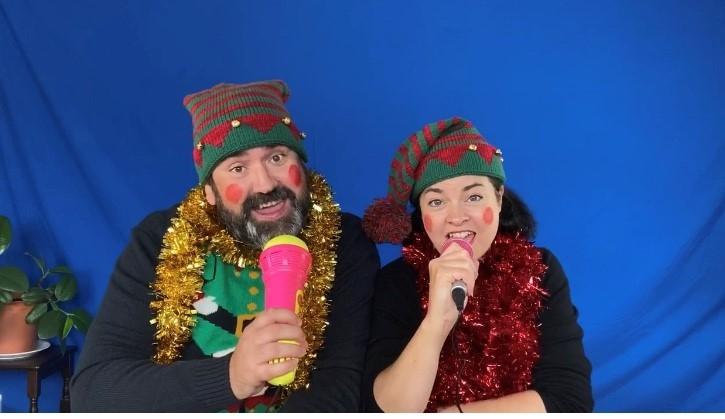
[[459, 290], [458, 293]]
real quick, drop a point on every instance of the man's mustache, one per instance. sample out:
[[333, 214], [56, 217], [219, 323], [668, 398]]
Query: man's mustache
[[279, 193]]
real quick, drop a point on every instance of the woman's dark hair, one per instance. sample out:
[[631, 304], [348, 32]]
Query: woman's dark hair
[[515, 215]]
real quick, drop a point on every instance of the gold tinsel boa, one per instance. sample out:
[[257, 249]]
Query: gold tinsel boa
[[195, 232]]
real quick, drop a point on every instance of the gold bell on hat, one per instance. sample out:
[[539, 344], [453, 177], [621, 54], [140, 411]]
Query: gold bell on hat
[[286, 120]]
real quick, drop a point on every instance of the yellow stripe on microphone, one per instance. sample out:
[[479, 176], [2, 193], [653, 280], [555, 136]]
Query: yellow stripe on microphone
[[287, 378]]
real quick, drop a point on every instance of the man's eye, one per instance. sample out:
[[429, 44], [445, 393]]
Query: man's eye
[[277, 158], [475, 198], [237, 169], [435, 203]]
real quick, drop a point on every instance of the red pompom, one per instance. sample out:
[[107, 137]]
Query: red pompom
[[386, 222]]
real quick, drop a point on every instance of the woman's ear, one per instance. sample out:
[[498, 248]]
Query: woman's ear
[[499, 197]]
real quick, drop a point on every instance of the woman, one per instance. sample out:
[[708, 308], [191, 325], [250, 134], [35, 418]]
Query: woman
[[516, 345]]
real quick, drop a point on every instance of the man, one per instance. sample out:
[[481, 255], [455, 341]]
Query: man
[[183, 326]]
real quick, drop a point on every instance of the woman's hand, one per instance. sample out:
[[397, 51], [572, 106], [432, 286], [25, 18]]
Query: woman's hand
[[405, 386], [527, 401], [455, 263]]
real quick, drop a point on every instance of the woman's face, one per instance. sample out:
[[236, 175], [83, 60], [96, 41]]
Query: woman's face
[[464, 207]]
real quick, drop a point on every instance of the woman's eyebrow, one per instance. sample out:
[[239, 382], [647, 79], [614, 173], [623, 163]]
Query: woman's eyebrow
[[471, 186], [436, 190]]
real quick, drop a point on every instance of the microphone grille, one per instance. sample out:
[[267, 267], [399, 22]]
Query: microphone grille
[[285, 239], [464, 244]]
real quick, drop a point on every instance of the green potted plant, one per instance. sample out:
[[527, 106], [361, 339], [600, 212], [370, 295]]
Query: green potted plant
[[41, 302]]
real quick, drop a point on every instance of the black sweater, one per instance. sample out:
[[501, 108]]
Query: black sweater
[[115, 371], [562, 374]]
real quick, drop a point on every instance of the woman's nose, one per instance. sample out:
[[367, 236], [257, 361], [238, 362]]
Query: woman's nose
[[456, 215]]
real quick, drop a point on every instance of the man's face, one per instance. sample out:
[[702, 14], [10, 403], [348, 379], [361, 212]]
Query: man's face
[[260, 193]]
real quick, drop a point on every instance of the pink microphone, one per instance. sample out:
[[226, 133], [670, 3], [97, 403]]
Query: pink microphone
[[459, 290], [285, 262], [463, 243]]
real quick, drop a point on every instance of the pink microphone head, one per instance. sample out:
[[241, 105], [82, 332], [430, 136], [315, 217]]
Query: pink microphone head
[[285, 263], [463, 243]]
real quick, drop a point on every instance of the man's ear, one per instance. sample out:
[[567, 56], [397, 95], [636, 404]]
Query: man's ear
[[209, 193]]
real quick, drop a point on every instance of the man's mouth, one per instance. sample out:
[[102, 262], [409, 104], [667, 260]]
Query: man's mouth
[[466, 235], [272, 210]]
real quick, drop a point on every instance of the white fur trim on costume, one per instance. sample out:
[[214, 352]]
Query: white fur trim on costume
[[206, 305], [223, 352]]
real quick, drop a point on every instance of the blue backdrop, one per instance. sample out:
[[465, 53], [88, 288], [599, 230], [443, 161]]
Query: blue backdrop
[[611, 116]]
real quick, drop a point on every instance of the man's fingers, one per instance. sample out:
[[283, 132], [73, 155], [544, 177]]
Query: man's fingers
[[276, 332], [274, 315], [270, 371], [283, 349]]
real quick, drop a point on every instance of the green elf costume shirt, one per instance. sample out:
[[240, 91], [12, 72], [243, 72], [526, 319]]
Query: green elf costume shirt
[[231, 298]]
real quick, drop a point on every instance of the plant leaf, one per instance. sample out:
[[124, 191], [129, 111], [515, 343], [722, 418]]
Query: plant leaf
[[66, 288], [35, 295], [13, 279], [81, 319], [67, 327], [6, 233], [5, 297], [36, 312], [50, 324], [61, 269]]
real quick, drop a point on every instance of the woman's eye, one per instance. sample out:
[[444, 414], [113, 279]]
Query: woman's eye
[[237, 169], [475, 198], [435, 203]]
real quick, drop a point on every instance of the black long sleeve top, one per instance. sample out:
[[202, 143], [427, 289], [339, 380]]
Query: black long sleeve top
[[115, 371], [562, 374]]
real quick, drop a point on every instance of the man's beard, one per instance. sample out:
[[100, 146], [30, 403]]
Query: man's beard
[[246, 229]]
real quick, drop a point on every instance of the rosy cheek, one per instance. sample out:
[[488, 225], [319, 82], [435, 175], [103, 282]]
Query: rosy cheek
[[295, 175], [426, 222], [488, 216], [233, 194]]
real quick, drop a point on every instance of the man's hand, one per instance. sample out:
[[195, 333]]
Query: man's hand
[[249, 368]]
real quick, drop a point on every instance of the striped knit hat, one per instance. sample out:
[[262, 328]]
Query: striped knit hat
[[229, 118], [441, 150]]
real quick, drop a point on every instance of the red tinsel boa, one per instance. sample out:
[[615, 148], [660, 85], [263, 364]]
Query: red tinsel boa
[[497, 338]]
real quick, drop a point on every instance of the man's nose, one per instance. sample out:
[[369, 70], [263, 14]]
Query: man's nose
[[263, 180]]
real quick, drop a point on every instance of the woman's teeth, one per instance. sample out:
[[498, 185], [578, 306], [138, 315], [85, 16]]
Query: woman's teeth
[[460, 235]]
